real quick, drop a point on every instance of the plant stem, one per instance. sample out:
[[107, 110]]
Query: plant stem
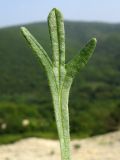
[[62, 118]]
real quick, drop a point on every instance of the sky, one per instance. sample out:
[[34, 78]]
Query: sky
[[14, 12]]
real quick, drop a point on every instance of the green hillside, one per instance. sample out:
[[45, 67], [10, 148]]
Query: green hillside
[[24, 92]]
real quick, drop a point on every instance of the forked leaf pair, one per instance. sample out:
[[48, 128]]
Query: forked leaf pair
[[60, 75]]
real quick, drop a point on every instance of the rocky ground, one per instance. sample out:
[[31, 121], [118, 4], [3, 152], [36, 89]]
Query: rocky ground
[[104, 147]]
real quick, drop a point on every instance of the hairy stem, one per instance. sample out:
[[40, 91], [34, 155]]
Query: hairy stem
[[62, 118]]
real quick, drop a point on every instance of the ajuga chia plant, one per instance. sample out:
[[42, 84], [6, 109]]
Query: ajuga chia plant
[[60, 75]]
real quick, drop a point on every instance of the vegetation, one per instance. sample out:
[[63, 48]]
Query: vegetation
[[60, 75], [24, 93]]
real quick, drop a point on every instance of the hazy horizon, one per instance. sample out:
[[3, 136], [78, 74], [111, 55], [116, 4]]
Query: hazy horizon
[[71, 21]]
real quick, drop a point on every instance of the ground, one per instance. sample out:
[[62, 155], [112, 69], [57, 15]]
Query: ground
[[104, 147]]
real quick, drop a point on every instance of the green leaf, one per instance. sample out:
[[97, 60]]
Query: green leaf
[[57, 36], [38, 49], [80, 60]]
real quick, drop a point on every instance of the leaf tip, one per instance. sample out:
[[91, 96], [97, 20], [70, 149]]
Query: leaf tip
[[94, 40], [54, 11], [23, 29]]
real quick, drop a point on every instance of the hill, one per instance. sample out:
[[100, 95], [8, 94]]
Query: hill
[[95, 95]]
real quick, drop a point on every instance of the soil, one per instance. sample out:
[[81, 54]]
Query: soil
[[103, 147]]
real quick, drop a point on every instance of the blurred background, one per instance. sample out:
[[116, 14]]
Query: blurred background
[[25, 101]]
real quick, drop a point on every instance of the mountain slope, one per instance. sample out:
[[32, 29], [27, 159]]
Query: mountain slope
[[95, 95]]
